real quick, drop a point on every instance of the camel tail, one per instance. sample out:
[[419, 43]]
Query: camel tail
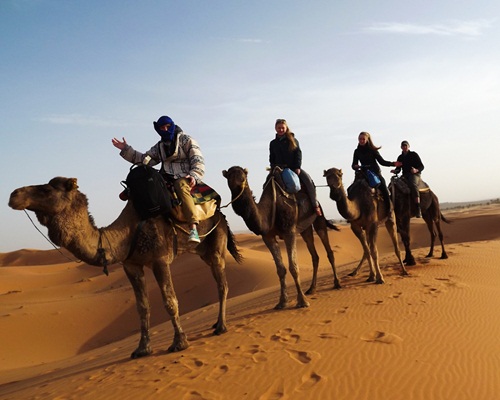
[[232, 246], [445, 219], [331, 225]]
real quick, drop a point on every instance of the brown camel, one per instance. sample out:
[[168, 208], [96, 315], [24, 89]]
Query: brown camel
[[154, 243], [405, 209], [279, 213], [364, 212]]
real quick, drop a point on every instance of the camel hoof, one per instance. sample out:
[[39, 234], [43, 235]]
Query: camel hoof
[[353, 273], [379, 282], [303, 304], [311, 290], [220, 331], [444, 256], [409, 263], [178, 346], [138, 353], [337, 286], [280, 306]]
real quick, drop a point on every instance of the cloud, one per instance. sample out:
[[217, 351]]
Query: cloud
[[250, 40], [455, 28], [78, 119]]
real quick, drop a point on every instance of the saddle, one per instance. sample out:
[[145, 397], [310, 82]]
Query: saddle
[[154, 194], [402, 185], [360, 178], [206, 201]]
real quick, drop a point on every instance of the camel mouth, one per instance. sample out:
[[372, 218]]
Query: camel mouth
[[15, 203]]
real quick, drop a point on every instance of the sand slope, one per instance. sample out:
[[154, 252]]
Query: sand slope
[[67, 330]]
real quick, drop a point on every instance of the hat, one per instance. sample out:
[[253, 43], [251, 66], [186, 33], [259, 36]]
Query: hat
[[165, 135], [405, 143]]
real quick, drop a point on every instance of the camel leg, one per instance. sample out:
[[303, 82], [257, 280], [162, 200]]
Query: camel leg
[[360, 234], [308, 237], [391, 228], [273, 246], [291, 248], [444, 255], [430, 226], [163, 276], [372, 241], [356, 270], [323, 235], [135, 275], [403, 224], [218, 267]]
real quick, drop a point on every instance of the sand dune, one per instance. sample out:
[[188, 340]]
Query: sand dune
[[67, 330]]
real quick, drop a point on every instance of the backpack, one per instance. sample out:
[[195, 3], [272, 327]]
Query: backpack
[[373, 179], [148, 191], [291, 181]]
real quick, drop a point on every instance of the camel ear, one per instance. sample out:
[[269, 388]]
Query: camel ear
[[246, 171], [224, 173], [71, 185], [324, 172]]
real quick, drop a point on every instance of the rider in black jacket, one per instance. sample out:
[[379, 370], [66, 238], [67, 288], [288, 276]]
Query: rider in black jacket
[[367, 155], [412, 166]]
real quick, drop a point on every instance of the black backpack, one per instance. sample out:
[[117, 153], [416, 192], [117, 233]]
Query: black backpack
[[148, 191]]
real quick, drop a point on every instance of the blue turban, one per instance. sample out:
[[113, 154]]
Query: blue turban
[[165, 135]]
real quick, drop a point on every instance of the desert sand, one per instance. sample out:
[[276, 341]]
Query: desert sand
[[67, 330]]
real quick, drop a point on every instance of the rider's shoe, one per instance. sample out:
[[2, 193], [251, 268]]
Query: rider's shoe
[[418, 213], [193, 236]]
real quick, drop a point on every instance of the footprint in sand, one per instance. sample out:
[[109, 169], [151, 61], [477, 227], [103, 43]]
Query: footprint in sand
[[255, 353], [218, 372], [451, 283], [302, 357], [309, 381], [381, 337], [374, 303], [433, 291], [331, 335], [286, 336]]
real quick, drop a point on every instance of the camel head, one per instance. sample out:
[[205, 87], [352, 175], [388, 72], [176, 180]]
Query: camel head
[[333, 177], [56, 198], [236, 178], [334, 181]]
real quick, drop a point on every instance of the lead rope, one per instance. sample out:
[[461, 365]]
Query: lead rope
[[50, 241], [237, 197]]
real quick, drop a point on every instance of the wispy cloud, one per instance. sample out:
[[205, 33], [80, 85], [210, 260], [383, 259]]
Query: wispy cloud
[[78, 119], [453, 28], [250, 40]]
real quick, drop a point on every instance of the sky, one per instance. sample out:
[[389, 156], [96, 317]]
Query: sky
[[75, 74]]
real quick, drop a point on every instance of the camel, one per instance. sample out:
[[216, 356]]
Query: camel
[[281, 214], [405, 209], [153, 243], [364, 212]]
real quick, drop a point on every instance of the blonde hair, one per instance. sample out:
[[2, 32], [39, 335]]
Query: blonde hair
[[369, 140], [288, 133]]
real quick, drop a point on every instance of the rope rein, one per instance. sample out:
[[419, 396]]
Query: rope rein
[[50, 241], [237, 197]]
